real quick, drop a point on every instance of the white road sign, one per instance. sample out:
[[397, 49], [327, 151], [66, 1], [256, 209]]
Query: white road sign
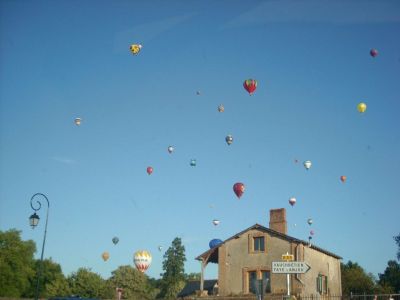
[[289, 267]]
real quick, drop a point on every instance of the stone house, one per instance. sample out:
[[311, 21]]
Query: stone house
[[245, 262]]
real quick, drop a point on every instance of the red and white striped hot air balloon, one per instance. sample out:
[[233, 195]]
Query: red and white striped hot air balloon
[[142, 260]]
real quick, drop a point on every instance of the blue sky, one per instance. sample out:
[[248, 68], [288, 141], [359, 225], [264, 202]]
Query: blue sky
[[65, 59]]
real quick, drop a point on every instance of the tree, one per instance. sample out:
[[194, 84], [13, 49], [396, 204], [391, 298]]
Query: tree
[[173, 279], [86, 284], [52, 280], [391, 276], [192, 276], [134, 283], [397, 240], [16, 264], [355, 280]]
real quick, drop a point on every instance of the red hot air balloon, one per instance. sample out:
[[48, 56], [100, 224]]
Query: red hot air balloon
[[250, 85], [238, 188], [149, 170], [373, 52], [343, 178]]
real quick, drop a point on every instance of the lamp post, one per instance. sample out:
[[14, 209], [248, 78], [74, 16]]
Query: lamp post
[[34, 221]]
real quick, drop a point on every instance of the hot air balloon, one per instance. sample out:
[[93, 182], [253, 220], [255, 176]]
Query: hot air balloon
[[292, 201], [142, 260], [311, 232], [229, 139], [105, 256], [307, 164], [170, 149], [343, 178], [361, 107], [250, 85], [373, 52], [159, 248], [238, 188], [193, 162], [309, 221], [115, 240], [135, 48], [78, 121], [214, 243], [221, 108], [215, 222], [149, 170], [198, 93]]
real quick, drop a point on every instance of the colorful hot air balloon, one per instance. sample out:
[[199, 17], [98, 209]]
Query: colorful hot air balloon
[[135, 48], [115, 240], [193, 162], [229, 139], [373, 52], [215, 222], [171, 149], [250, 85], [78, 121], [292, 201], [105, 256], [343, 178], [309, 221], [238, 188], [221, 108], [307, 164], [361, 107], [142, 260], [311, 232], [149, 170], [214, 243]]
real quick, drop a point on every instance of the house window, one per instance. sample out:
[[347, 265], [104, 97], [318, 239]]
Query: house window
[[253, 282], [322, 284], [259, 243], [266, 278]]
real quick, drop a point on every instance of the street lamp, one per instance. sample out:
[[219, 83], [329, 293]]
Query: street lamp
[[34, 221]]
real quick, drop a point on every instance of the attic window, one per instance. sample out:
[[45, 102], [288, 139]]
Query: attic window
[[259, 243]]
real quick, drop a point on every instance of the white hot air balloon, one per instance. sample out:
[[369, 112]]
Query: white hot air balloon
[[307, 164], [215, 222], [292, 201]]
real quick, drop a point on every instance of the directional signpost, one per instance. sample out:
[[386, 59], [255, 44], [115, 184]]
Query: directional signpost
[[288, 266]]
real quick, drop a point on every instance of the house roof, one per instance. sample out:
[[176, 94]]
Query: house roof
[[212, 254], [194, 285]]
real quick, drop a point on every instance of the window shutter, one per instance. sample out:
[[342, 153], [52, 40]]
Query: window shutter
[[326, 284]]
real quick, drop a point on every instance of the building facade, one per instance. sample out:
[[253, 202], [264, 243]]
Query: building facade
[[245, 262]]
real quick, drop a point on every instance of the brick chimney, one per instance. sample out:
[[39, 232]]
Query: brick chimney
[[277, 220]]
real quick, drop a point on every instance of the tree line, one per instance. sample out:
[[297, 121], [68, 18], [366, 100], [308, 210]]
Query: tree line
[[18, 275], [355, 280]]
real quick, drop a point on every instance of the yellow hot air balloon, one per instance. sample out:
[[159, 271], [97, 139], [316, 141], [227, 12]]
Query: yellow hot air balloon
[[105, 256], [361, 107], [135, 48], [142, 260]]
